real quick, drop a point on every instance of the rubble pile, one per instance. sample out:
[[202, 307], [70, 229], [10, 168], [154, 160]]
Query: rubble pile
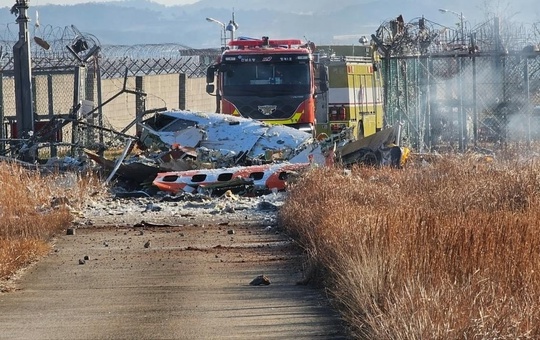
[[166, 210], [213, 153], [184, 152]]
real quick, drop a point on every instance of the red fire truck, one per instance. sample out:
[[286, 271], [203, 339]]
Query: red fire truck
[[268, 80]]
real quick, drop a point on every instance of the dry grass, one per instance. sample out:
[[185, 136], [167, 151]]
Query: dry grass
[[33, 208], [446, 250]]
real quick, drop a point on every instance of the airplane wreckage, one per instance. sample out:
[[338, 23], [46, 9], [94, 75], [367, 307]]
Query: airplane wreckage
[[185, 151]]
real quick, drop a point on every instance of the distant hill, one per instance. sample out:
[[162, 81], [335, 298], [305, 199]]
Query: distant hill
[[145, 22]]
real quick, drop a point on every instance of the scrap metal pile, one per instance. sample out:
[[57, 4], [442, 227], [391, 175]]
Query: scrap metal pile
[[193, 152]]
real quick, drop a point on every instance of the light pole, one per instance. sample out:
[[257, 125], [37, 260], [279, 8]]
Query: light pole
[[223, 33], [461, 19]]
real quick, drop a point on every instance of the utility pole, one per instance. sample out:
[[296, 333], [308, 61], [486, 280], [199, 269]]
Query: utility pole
[[463, 42], [23, 73]]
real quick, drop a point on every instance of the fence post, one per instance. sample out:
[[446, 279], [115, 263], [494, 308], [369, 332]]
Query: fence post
[[74, 113], [50, 109], [2, 113], [419, 130], [182, 91], [528, 94], [429, 137], [139, 102], [89, 90], [475, 102], [100, 108], [462, 120]]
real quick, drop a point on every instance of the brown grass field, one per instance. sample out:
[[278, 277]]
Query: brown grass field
[[33, 208], [448, 249]]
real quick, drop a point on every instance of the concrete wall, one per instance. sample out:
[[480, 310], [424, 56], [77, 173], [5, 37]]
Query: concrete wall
[[196, 97], [120, 111], [162, 91], [171, 91]]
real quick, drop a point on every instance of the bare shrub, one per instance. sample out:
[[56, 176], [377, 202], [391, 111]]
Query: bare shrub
[[33, 207]]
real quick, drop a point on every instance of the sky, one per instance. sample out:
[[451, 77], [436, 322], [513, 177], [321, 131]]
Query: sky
[[9, 3]]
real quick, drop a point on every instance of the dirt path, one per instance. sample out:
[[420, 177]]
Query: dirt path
[[191, 282]]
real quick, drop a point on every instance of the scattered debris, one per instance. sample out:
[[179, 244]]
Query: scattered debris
[[192, 156], [267, 206], [141, 167], [58, 201], [148, 224], [260, 280], [152, 207], [131, 194]]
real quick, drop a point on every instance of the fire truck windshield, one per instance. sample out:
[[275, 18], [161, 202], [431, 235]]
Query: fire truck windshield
[[266, 79]]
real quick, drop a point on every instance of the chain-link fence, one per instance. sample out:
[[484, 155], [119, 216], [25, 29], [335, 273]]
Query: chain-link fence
[[459, 101], [85, 94], [456, 88]]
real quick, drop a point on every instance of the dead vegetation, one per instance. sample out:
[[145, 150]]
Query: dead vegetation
[[446, 249], [33, 208]]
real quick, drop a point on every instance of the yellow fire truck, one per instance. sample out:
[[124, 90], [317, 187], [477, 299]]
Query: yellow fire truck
[[355, 91]]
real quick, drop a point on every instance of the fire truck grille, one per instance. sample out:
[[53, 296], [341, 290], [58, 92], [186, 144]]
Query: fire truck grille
[[263, 109]]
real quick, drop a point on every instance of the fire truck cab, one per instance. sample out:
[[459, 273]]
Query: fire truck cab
[[266, 79]]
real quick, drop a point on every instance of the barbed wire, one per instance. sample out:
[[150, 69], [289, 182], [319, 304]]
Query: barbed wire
[[56, 48], [421, 36]]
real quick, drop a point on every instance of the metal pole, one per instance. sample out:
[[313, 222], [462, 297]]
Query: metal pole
[[528, 106], [475, 101], [462, 29], [23, 74], [2, 129], [50, 106], [462, 120], [429, 137], [76, 101], [223, 38], [99, 100], [139, 103]]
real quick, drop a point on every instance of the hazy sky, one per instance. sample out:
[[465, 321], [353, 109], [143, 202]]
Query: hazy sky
[[9, 3]]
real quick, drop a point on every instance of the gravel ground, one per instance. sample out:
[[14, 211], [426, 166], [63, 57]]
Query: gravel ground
[[155, 268]]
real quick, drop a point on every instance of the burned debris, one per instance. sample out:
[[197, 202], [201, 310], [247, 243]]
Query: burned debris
[[210, 153], [184, 152]]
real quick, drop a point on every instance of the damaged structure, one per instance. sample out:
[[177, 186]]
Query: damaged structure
[[184, 151]]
